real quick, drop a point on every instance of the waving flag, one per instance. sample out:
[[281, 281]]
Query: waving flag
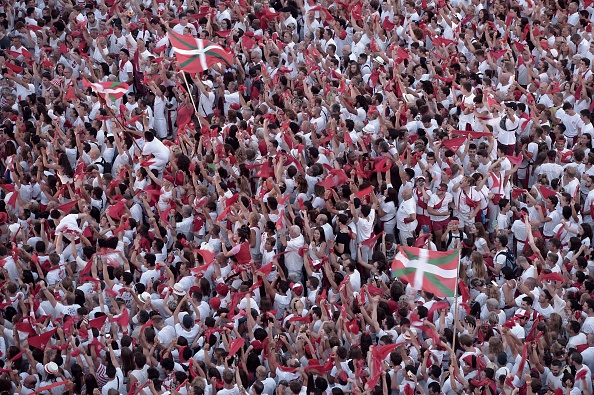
[[431, 271], [109, 90], [195, 55]]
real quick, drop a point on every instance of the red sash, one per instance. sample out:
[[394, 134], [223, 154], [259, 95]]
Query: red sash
[[422, 204], [558, 236], [469, 202], [438, 205], [496, 181]]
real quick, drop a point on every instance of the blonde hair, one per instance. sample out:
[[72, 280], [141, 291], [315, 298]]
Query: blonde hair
[[478, 265], [495, 345]]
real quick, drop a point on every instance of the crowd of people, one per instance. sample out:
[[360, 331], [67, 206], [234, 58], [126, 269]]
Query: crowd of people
[[233, 231]]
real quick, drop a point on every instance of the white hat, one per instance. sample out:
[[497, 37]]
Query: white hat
[[13, 228], [144, 297], [554, 52], [407, 335], [208, 83], [206, 246], [239, 25], [409, 99], [290, 21], [178, 289], [51, 368], [369, 128], [502, 371], [379, 60]]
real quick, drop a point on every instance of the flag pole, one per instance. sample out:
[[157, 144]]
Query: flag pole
[[456, 309], [191, 95]]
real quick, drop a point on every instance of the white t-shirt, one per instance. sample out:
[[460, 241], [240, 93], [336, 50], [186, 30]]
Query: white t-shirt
[[406, 208], [365, 226], [159, 150]]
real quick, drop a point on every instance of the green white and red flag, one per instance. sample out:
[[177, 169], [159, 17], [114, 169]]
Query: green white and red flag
[[431, 271], [112, 90], [195, 55]]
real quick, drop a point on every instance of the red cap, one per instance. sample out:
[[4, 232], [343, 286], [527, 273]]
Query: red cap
[[256, 344], [222, 289], [215, 303], [297, 288]]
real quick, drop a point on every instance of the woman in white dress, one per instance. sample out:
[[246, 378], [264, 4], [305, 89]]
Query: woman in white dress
[[387, 209], [167, 192], [160, 124]]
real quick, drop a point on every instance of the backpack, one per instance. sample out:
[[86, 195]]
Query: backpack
[[107, 166], [451, 237], [502, 124], [510, 261]]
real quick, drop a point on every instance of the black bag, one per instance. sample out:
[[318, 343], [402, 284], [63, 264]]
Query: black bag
[[510, 261]]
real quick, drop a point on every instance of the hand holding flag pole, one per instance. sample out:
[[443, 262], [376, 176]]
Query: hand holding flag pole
[[183, 73]]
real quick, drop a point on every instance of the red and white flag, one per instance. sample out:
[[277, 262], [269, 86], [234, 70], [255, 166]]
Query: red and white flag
[[109, 90], [431, 271], [195, 55]]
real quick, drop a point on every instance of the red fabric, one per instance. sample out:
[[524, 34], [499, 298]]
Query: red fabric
[[97, 323], [41, 340], [371, 241], [454, 144], [420, 242], [235, 345], [66, 207], [552, 277], [364, 192], [207, 255], [546, 192]]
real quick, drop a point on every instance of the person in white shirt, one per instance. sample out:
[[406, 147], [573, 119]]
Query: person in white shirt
[[588, 353], [588, 324], [293, 258], [183, 24], [575, 337], [207, 97], [364, 221], [571, 120], [508, 127], [406, 216], [159, 151], [126, 70]]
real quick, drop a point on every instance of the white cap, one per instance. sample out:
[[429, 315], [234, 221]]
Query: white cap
[[208, 83], [554, 52]]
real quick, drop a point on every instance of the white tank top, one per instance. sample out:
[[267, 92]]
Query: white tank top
[[256, 249]]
